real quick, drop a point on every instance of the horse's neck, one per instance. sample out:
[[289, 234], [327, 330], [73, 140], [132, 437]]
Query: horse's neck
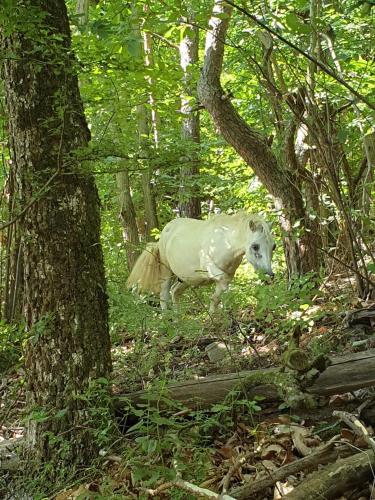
[[240, 234]]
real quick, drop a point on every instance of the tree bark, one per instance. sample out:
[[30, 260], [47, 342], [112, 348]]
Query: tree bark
[[148, 122], [250, 144], [65, 302], [151, 218], [13, 279], [82, 10], [334, 480], [128, 219], [325, 454], [189, 205]]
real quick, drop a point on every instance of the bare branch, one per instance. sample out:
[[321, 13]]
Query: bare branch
[[321, 65]]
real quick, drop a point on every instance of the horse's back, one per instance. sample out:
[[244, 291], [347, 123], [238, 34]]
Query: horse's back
[[180, 245]]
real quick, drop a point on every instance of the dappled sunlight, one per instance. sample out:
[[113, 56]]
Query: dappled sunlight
[[187, 254]]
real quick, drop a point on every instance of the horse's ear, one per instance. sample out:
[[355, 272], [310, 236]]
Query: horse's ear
[[255, 226]]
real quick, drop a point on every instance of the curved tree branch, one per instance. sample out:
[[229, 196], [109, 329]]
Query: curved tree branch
[[248, 142], [321, 65]]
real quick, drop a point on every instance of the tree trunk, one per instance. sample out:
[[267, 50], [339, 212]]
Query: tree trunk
[[151, 218], [65, 302], [250, 144], [189, 205], [128, 219], [147, 122], [82, 10]]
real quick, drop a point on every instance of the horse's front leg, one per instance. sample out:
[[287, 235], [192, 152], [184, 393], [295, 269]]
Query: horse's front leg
[[221, 286]]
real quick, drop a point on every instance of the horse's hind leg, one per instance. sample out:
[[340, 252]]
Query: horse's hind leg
[[165, 286], [177, 290]]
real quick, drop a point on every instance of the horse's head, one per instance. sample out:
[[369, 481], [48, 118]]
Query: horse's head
[[260, 245]]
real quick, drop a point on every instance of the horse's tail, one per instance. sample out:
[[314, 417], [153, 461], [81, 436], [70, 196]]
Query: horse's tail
[[145, 276]]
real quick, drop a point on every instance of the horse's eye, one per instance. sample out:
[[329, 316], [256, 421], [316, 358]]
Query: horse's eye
[[274, 247], [255, 247]]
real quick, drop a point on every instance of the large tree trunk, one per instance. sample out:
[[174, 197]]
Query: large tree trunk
[[190, 203], [65, 302], [250, 144]]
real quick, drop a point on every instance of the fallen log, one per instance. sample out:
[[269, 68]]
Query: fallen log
[[334, 480], [345, 374], [9, 460], [324, 455], [364, 317]]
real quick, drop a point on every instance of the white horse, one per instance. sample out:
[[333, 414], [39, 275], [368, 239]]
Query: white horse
[[197, 252]]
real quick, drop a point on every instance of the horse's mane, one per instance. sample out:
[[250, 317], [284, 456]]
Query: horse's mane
[[240, 217]]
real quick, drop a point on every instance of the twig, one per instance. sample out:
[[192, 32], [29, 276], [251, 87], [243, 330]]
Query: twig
[[165, 40], [364, 405], [232, 470], [160, 489], [347, 266], [197, 491], [321, 65], [31, 202], [356, 425]]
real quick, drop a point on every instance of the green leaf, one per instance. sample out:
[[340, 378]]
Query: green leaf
[[295, 24], [134, 48], [61, 413], [148, 444], [301, 4], [342, 135], [102, 381], [136, 426], [222, 15], [157, 419]]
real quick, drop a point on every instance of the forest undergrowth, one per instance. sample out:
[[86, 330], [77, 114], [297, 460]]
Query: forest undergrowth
[[163, 449]]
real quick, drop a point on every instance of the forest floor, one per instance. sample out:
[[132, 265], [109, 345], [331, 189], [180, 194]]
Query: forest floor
[[172, 452]]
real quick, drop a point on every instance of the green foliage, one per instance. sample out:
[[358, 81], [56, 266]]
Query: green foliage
[[114, 79], [165, 442], [11, 338], [280, 306], [100, 426]]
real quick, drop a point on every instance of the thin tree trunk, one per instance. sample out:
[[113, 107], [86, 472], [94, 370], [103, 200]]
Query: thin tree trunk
[[250, 144], [149, 62], [189, 205], [65, 303], [311, 190], [151, 218], [148, 121], [128, 218], [83, 11]]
